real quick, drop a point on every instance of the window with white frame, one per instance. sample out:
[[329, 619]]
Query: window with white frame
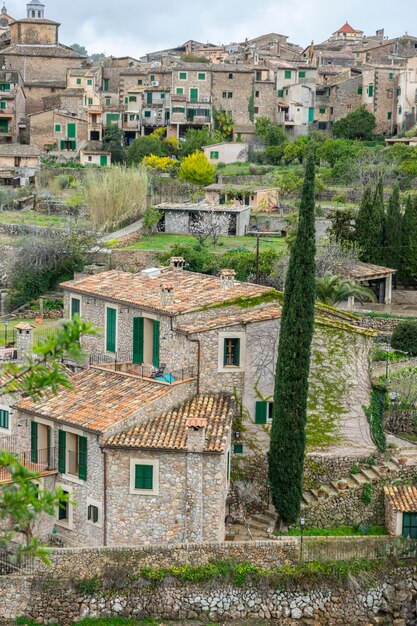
[[94, 512], [144, 477]]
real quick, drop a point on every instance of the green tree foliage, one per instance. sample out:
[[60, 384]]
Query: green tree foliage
[[271, 134], [151, 218], [198, 258], [195, 139], [369, 226], [333, 290], [332, 151], [223, 124], [379, 221], [114, 142], [408, 269], [41, 262], [342, 229], [404, 337], [393, 231], [288, 439], [244, 263], [359, 124], [293, 152], [145, 146], [197, 169], [79, 49]]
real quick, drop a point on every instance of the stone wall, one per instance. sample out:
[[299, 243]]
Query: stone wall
[[381, 324], [78, 588]]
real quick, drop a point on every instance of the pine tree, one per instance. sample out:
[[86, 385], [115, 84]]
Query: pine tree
[[393, 231], [369, 224], [408, 268], [288, 439]]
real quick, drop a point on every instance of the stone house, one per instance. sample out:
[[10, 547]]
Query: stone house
[[259, 199], [401, 511], [12, 106], [296, 88], [226, 152], [225, 219], [58, 132], [18, 164], [92, 153]]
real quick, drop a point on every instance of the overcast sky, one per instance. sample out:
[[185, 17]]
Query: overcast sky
[[134, 27]]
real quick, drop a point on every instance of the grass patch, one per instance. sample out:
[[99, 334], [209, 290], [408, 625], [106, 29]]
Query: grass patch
[[338, 531], [32, 218], [118, 621], [390, 316], [162, 242], [41, 330]]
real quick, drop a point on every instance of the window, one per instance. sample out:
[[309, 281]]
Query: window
[[228, 466], [264, 412], [106, 84], [57, 128], [140, 81], [391, 75], [256, 109], [132, 99], [280, 93], [399, 91], [180, 91], [90, 101], [78, 81], [288, 74], [108, 102], [410, 525], [230, 76], [358, 54], [63, 509], [238, 448], [182, 76], [231, 352], [89, 81], [144, 477], [72, 454], [400, 110], [227, 94], [152, 77], [178, 109], [162, 96], [214, 155], [3, 104], [126, 100], [322, 111], [256, 94], [4, 418], [193, 95], [301, 74], [92, 513], [147, 114], [360, 91], [111, 327], [4, 86], [389, 115], [201, 76], [370, 91], [75, 306]]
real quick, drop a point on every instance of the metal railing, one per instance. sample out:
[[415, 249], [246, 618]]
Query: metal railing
[[36, 461], [8, 354], [16, 563], [123, 364]]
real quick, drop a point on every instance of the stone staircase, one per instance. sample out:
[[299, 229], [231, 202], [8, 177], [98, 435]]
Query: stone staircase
[[262, 523]]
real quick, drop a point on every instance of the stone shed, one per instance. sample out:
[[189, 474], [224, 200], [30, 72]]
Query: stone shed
[[258, 198], [401, 511], [181, 219]]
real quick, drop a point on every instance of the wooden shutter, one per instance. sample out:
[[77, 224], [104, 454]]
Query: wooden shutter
[[72, 131], [144, 477], [82, 458], [95, 514], [103, 160], [75, 306], [156, 333], [48, 443], [224, 352], [236, 353], [34, 442], [4, 419], [62, 451], [193, 95], [138, 339], [111, 330], [261, 412]]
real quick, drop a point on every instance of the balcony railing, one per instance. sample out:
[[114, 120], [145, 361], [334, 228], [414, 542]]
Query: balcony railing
[[37, 461], [124, 365], [8, 354]]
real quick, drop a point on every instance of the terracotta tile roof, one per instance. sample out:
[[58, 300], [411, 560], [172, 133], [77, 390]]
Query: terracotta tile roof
[[98, 399], [347, 28], [234, 319], [19, 149], [364, 271], [403, 499], [191, 291], [170, 430]]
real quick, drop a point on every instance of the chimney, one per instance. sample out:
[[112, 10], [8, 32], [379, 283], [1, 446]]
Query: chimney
[[177, 262], [196, 433], [167, 291], [24, 340], [227, 278]]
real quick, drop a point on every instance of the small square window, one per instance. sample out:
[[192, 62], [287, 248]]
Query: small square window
[[140, 81], [230, 76], [147, 114], [144, 477], [89, 81], [322, 111], [214, 155], [78, 81], [280, 93], [180, 91], [288, 74], [238, 448], [301, 75], [360, 91], [92, 514], [57, 128], [201, 76], [183, 75], [108, 102], [231, 352], [256, 109]]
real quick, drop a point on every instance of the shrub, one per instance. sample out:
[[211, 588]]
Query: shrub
[[64, 181], [197, 169], [151, 218], [160, 164], [145, 146], [116, 195], [367, 493], [404, 337]]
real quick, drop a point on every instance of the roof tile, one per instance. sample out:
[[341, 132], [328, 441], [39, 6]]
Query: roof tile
[[403, 498]]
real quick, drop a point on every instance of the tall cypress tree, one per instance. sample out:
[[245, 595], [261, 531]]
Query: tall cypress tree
[[408, 268], [393, 232], [288, 439], [369, 224]]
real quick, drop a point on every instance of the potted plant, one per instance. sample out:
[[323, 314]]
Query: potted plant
[[322, 492], [342, 484], [402, 461]]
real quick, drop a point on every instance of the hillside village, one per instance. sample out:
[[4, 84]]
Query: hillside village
[[208, 330]]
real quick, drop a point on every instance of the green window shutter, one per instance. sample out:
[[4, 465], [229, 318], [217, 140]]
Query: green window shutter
[[201, 76], [236, 353], [152, 77], [389, 115], [391, 75], [62, 451], [82, 458], [301, 75], [106, 84], [183, 75], [103, 160], [149, 97], [156, 335], [147, 114], [4, 419], [225, 353], [193, 95], [370, 91], [180, 91], [138, 340], [75, 306], [34, 442], [400, 110], [111, 330], [89, 81], [360, 91], [214, 155], [261, 412], [57, 128], [288, 73], [322, 111], [238, 448], [399, 91], [48, 443], [126, 100], [90, 101], [4, 126], [140, 81], [108, 102], [95, 514], [144, 477], [280, 93], [228, 466], [3, 104], [78, 81], [72, 131]]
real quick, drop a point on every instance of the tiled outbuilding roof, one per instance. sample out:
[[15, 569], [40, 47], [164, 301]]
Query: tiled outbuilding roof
[[19, 150], [98, 399], [170, 430], [234, 319], [191, 291], [402, 498], [347, 28]]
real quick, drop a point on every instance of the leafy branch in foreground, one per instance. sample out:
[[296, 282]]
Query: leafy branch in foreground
[[45, 369]]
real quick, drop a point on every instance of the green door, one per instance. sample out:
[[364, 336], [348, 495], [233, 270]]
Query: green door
[[103, 160], [138, 339], [34, 442], [72, 131], [149, 97], [4, 126], [75, 306], [193, 95], [410, 525], [311, 115], [111, 330]]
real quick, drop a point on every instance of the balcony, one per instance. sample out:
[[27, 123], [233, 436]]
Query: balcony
[[41, 462], [94, 108], [123, 364]]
